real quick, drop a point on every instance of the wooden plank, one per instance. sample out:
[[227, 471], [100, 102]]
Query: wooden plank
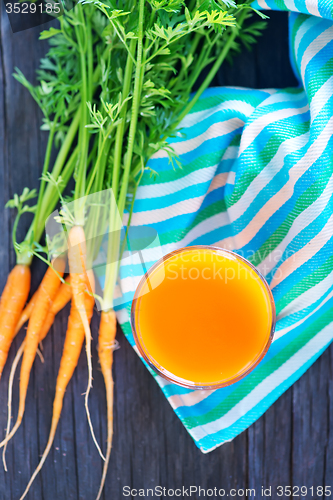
[[270, 445], [21, 166], [311, 443], [328, 452], [4, 219], [267, 64]]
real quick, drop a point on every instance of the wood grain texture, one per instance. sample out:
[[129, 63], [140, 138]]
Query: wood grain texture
[[292, 444]]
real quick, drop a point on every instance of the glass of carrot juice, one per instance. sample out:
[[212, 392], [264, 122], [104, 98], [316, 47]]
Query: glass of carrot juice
[[203, 317]]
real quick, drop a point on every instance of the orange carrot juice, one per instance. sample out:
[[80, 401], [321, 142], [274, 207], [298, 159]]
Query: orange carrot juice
[[203, 317]]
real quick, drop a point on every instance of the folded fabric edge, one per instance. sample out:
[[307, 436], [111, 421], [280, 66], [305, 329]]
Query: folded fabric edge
[[213, 441]]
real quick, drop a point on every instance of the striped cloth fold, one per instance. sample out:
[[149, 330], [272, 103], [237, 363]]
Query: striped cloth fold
[[255, 177]]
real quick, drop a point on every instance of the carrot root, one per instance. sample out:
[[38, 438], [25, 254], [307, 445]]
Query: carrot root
[[75, 336], [40, 355], [46, 294], [41, 463], [106, 346], [61, 299], [77, 257], [10, 397]]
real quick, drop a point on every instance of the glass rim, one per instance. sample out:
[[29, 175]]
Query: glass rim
[[154, 365]]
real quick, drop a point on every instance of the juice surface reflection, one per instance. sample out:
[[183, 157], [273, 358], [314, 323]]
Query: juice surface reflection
[[204, 316]]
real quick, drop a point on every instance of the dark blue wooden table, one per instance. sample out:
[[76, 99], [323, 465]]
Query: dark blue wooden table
[[292, 444]]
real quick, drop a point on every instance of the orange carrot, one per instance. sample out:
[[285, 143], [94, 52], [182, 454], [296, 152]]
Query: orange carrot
[[14, 297], [61, 299], [75, 336], [46, 294], [26, 313], [106, 345], [63, 296], [77, 257]]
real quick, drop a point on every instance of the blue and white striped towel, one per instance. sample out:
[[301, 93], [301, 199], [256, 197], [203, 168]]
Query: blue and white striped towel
[[257, 178]]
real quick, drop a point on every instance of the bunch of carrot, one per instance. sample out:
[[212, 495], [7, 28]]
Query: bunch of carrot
[[113, 88]]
